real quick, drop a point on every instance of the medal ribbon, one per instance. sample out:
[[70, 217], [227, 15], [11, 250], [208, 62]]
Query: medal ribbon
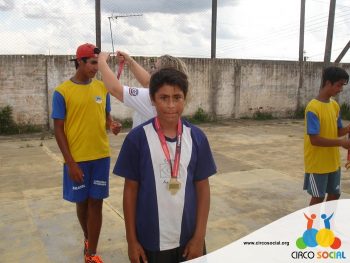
[[174, 170], [120, 68]]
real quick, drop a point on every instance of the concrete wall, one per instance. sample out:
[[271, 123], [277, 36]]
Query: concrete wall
[[225, 88], [23, 86]]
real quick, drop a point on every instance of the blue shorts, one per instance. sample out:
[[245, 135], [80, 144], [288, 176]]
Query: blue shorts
[[95, 184], [317, 185]]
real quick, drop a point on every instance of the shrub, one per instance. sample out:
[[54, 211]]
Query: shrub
[[345, 111], [8, 126], [200, 116], [126, 123], [260, 116], [299, 113]]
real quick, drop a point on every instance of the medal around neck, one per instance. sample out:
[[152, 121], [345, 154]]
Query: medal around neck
[[174, 185]]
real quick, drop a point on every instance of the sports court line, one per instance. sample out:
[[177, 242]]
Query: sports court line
[[59, 159], [114, 210], [53, 156]]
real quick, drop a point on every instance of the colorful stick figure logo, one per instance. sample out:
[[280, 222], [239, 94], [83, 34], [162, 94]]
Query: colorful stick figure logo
[[323, 237]]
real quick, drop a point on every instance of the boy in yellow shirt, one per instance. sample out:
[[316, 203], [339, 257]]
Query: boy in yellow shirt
[[80, 109], [323, 127]]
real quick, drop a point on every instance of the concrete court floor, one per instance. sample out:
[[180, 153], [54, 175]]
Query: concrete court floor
[[259, 180]]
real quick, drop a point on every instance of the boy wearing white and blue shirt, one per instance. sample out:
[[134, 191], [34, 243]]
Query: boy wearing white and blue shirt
[[163, 225]]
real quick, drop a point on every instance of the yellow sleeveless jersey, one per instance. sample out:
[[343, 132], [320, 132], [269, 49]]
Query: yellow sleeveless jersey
[[83, 108], [322, 118]]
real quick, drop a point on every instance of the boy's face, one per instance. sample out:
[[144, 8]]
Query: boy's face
[[336, 87], [169, 102], [89, 68]]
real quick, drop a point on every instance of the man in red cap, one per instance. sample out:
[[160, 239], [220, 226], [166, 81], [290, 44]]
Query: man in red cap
[[81, 113]]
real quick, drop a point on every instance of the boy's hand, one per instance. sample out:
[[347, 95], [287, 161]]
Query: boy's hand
[[135, 252], [75, 173], [115, 127], [194, 249]]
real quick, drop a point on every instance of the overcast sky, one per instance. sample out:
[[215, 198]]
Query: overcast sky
[[246, 29]]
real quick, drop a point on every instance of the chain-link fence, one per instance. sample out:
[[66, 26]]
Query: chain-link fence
[[148, 28], [249, 29]]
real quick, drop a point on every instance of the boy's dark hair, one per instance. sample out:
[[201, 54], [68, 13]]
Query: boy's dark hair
[[77, 64], [334, 74], [168, 76]]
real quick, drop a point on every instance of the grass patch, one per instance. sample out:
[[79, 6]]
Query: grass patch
[[200, 116], [262, 116], [28, 128]]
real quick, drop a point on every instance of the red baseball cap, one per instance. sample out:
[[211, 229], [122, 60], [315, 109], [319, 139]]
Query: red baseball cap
[[87, 51]]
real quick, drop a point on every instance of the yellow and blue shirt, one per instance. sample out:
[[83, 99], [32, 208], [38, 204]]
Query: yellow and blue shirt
[[323, 119], [83, 109]]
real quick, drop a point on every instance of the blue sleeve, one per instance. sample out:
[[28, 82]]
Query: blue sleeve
[[108, 103], [128, 161], [58, 106], [312, 123], [340, 124], [205, 165]]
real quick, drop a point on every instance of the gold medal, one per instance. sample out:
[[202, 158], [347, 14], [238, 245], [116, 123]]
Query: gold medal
[[174, 185]]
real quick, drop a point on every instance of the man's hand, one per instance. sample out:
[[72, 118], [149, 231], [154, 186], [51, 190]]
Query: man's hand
[[124, 57]]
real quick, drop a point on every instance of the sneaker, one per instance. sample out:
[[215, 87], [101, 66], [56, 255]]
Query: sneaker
[[93, 259], [86, 245]]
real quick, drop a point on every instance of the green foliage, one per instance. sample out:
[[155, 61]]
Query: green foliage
[[200, 116], [261, 116], [126, 123], [28, 128], [8, 126], [299, 113], [345, 111]]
